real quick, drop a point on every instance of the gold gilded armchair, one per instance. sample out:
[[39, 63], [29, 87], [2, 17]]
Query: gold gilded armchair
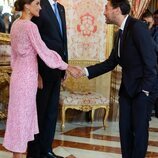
[[80, 94], [5, 71]]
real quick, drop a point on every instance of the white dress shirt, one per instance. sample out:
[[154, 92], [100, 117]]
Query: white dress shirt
[[122, 28], [52, 4]]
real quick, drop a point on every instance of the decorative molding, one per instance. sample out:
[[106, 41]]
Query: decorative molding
[[4, 38]]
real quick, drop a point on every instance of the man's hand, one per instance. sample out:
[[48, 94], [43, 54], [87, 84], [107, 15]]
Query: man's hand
[[76, 71]]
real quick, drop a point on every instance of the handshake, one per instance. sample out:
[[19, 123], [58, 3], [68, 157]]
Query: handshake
[[76, 71]]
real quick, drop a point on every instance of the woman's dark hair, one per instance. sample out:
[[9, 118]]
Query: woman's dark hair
[[122, 4], [19, 4]]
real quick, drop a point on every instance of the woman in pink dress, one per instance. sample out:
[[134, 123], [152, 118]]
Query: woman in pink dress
[[26, 43]]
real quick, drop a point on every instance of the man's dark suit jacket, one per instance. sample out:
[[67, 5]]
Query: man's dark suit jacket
[[51, 35], [2, 25], [137, 59]]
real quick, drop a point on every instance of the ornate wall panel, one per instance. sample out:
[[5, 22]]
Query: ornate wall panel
[[86, 29]]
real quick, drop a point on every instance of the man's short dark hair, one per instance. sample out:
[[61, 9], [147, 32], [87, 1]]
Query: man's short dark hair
[[124, 5]]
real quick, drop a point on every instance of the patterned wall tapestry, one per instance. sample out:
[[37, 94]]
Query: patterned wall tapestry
[[85, 28]]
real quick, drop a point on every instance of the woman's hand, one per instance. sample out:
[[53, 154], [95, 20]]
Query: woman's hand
[[40, 82]]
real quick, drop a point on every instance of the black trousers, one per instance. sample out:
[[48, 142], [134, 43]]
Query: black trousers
[[47, 110], [134, 123]]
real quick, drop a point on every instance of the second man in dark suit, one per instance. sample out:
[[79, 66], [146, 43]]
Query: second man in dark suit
[[52, 27]]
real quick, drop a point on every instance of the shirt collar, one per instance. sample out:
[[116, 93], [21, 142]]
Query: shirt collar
[[51, 2], [123, 23]]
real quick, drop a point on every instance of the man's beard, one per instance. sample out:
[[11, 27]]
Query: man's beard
[[108, 21]]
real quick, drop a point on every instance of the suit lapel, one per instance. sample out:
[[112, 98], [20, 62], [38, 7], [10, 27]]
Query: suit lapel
[[125, 33], [126, 28], [62, 17], [116, 42]]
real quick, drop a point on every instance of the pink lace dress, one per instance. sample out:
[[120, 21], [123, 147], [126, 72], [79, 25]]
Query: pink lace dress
[[22, 122]]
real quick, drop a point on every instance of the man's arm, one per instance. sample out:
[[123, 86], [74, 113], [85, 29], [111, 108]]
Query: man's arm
[[98, 69], [155, 41], [103, 67], [144, 46]]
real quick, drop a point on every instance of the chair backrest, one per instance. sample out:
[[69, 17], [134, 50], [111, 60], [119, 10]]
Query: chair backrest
[[82, 84]]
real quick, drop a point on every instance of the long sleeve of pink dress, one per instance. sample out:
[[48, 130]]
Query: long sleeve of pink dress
[[22, 122]]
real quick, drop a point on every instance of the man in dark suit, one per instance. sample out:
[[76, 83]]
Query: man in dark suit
[[149, 19], [52, 27], [133, 51]]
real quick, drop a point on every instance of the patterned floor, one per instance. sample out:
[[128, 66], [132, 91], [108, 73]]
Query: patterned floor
[[80, 140]]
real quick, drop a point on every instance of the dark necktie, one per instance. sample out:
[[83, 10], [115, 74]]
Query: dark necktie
[[58, 17], [120, 42]]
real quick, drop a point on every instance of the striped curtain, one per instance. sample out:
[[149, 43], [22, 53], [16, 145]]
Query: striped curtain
[[139, 6], [153, 5]]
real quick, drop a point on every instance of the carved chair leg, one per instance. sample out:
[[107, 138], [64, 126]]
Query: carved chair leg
[[63, 118], [92, 115], [105, 117]]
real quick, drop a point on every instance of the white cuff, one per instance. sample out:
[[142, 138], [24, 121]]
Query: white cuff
[[86, 72], [146, 92]]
